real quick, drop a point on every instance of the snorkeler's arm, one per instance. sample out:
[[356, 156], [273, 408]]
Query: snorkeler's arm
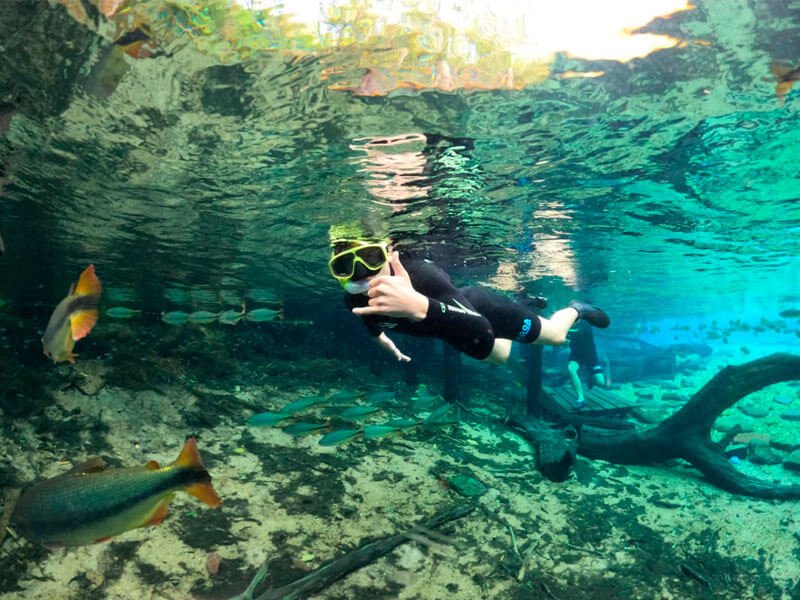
[[387, 344], [444, 312]]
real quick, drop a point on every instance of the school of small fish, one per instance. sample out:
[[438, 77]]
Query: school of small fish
[[294, 419]]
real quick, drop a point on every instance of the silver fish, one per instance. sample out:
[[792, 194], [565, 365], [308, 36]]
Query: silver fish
[[203, 317], [262, 315]]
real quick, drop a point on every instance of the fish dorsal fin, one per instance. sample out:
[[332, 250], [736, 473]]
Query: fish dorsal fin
[[93, 465], [88, 283], [81, 322], [152, 465], [190, 455]]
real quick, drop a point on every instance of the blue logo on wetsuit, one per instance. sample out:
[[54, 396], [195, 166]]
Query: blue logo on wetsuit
[[526, 328]]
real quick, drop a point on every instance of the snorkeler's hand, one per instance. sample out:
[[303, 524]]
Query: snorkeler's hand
[[398, 269], [394, 296]]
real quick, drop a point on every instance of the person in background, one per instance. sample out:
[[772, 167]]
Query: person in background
[[416, 297], [583, 357]]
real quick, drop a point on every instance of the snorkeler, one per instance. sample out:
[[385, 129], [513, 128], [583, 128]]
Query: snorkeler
[[583, 356], [416, 297]]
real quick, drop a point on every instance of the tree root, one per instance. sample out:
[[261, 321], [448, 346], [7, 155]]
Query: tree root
[[687, 433]]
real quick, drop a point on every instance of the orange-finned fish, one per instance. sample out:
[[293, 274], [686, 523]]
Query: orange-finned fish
[[73, 318], [92, 504], [785, 78]]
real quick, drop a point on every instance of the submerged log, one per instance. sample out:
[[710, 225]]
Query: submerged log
[[687, 433], [338, 568], [554, 449]]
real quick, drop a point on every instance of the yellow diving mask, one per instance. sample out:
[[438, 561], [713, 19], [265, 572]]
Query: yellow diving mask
[[360, 261]]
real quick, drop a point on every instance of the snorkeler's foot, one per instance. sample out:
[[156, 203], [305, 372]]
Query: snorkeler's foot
[[591, 314], [533, 302], [539, 302]]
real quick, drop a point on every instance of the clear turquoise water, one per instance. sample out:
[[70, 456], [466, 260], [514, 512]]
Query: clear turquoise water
[[665, 190]]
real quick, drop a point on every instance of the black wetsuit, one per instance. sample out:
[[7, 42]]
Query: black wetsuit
[[469, 319], [582, 349]]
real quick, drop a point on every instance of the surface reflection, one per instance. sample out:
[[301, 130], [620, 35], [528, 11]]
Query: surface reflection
[[395, 167], [373, 48]]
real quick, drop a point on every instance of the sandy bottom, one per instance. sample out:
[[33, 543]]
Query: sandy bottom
[[608, 532]]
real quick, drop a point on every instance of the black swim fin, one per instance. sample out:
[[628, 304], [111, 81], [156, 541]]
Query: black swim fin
[[591, 314]]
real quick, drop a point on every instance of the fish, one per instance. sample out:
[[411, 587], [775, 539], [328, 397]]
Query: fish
[[352, 411], [264, 295], [440, 412], [175, 317], [333, 411], [785, 78], [137, 42], [424, 398], [203, 317], [262, 315], [425, 403], [231, 317], [339, 436], [439, 418], [73, 317], [359, 412], [403, 424], [121, 312], [112, 64], [790, 313], [380, 396], [302, 404], [373, 432], [298, 429], [268, 419], [91, 503], [343, 396]]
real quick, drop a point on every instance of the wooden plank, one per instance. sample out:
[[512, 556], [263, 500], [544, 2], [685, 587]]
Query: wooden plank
[[551, 404], [598, 401], [612, 399]]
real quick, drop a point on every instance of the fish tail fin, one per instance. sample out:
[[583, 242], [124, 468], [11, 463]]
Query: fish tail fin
[[82, 321], [189, 458], [779, 69], [783, 80], [88, 283], [782, 88]]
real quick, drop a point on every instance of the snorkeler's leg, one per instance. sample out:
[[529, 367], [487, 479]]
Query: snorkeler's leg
[[500, 352], [554, 330], [573, 369], [599, 379]]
